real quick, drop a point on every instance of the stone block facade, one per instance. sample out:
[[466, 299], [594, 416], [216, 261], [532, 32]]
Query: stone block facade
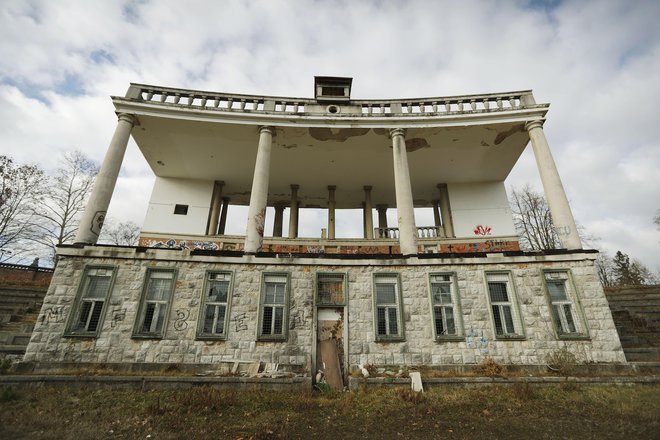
[[416, 345]]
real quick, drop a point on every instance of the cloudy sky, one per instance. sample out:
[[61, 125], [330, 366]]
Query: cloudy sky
[[597, 63]]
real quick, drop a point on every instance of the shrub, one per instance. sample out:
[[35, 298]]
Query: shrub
[[490, 368], [561, 362]]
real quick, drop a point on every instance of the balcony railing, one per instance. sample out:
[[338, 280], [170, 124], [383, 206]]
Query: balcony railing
[[231, 102], [422, 232]]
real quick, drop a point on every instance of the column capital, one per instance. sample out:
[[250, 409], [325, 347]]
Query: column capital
[[332, 187], [397, 132], [128, 117], [295, 186], [534, 124], [367, 187], [381, 206], [266, 129]]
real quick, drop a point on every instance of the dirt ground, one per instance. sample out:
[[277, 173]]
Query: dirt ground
[[517, 412]]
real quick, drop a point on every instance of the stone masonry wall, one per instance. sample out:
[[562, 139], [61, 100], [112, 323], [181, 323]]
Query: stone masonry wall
[[419, 347]]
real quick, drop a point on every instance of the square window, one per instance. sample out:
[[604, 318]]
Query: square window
[[89, 307], [181, 209], [330, 289], [155, 303]]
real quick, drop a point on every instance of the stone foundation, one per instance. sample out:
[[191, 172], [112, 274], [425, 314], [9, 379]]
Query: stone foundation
[[179, 345]]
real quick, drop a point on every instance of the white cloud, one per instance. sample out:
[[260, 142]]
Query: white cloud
[[596, 62]]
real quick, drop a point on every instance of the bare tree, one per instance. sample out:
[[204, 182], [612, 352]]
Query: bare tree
[[68, 192], [605, 270], [531, 216], [21, 193], [121, 234]]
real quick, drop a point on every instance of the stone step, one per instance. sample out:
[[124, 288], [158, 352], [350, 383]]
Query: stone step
[[15, 338], [642, 354]]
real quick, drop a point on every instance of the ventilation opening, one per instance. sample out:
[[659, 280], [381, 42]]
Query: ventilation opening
[[181, 209]]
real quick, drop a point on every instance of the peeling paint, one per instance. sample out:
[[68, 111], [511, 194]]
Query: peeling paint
[[339, 134], [502, 135], [415, 144]]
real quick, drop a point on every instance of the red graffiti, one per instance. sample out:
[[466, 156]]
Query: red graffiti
[[482, 230]]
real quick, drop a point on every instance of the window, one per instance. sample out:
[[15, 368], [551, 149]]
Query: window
[[181, 209], [155, 304], [215, 305], [562, 298], [89, 307], [446, 307], [503, 306], [330, 289], [274, 306], [387, 300]]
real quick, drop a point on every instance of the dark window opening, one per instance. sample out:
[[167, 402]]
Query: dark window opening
[[181, 209]]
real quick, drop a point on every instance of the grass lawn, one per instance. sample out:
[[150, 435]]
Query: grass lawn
[[519, 412]]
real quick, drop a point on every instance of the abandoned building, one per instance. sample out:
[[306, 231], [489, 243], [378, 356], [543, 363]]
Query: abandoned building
[[400, 294]]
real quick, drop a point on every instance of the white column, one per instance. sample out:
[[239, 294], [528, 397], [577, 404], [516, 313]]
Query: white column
[[97, 205], [254, 235], [216, 203], [279, 219], [223, 216], [293, 214], [368, 214], [445, 209], [331, 211], [382, 220], [404, 199], [560, 210]]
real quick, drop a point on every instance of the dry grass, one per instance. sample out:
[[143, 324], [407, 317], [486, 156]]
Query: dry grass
[[520, 411]]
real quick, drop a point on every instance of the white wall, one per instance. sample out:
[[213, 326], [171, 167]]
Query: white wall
[[168, 192], [485, 204]]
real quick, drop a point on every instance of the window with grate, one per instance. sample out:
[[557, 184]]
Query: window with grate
[[503, 306], [155, 304], [215, 305], [330, 289], [89, 307], [387, 300], [445, 303], [274, 306], [563, 304]]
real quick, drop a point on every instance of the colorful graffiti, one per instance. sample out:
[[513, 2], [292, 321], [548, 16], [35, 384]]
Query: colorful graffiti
[[179, 244], [482, 230]]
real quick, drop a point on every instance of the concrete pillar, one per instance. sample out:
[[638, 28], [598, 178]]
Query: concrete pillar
[[223, 216], [97, 205], [331, 211], [404, 199], [214, 213], [560, 210], [445, 209], [254, 235], [368, 213], [293, 215], [382, 220], [436, 213], [279, 219]]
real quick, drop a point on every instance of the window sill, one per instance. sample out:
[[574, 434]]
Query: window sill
[[457, 338], [81, 335], [146, 336], [510, 338], [391, 339], [272, 339], [575, 337], [211, 338]]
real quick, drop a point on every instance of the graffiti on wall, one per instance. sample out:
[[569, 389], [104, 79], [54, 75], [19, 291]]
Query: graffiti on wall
[[181, 321], [239, 321], [52, 315], [477, 340], [117, 316], [482, 230]]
